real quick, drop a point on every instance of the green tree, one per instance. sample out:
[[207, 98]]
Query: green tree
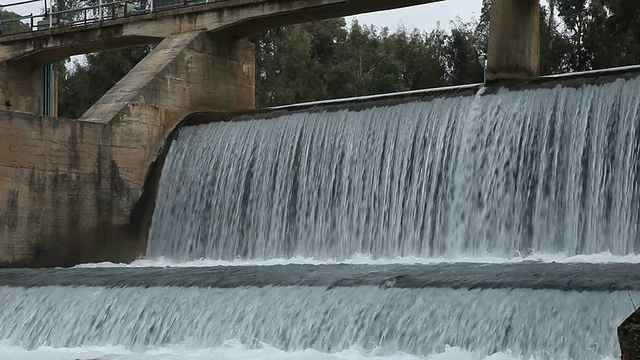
[[422, 57], [12, 23], [613, 34], [366, 64], [576, 17], [462, 49]]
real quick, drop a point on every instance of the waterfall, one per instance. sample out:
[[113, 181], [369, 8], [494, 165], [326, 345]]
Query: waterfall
[[552, 170], [547, 324]]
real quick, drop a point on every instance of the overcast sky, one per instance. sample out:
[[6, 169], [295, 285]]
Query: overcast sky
[[424, 17]]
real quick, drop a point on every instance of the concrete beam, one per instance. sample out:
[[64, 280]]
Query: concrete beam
[[239, 17], [514, 40]]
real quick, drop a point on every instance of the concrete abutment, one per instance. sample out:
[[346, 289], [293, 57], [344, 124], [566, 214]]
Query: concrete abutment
[[68, 188]]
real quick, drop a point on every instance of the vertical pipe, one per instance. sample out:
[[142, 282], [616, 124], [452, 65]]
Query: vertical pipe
[[100, 10]]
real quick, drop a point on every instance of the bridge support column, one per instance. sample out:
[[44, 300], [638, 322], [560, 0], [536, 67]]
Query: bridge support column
[[514, 40], [20, 87]]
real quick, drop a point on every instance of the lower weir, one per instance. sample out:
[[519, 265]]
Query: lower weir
[[541, 324], [546, 170]]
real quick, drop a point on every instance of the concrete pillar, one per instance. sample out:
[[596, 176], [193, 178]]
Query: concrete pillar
[[514, 40], [20, 87]]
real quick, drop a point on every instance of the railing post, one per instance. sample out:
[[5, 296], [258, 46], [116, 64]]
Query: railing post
[[50, 14], [152, 1], [100, 10]]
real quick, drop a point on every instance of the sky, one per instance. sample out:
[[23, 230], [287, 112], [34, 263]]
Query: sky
[[424, 17]]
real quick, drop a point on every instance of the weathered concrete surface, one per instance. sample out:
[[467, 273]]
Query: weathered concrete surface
[[20, 87], [55, 175], [514, 40], [69, 188], [629, 337]]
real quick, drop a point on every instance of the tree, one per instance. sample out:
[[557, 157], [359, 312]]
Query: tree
[[462, 50], [11, 23], [555, 46], [421, 56], [614, 32], [82, 85]]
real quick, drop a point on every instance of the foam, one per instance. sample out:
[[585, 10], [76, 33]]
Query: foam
[[361, 259], [232, 350]]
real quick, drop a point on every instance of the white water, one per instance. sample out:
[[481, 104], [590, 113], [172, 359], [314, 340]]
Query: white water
[[600, 258], [555, 171], [232, 350], [548, 324]]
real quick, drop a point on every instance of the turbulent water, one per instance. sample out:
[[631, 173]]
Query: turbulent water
[[545, 170], [546, 324]]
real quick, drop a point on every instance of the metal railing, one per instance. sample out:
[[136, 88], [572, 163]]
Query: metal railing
[[36, 15]]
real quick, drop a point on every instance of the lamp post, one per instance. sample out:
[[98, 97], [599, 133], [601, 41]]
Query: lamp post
[[482, 59]]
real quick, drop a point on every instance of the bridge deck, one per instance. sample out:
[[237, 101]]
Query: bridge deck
[[126, 26]]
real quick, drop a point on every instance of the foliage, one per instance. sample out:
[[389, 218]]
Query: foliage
[[333, 59], [83, 84], [11, 24]]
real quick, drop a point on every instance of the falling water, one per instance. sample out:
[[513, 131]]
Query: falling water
[[549, 170], [546, 324]]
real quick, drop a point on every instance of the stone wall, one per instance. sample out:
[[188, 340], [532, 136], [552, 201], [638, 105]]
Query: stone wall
[[70, 189]]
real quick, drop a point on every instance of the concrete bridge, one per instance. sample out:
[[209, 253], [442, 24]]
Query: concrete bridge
[[79, 190]]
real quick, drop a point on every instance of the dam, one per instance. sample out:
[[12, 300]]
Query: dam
[[466, 223], [494, 221]]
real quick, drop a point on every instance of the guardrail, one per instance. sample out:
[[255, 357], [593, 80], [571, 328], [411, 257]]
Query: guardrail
[[37, 15]]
